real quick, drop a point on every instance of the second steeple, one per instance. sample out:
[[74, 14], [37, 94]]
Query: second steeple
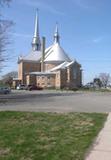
[[56, 35]]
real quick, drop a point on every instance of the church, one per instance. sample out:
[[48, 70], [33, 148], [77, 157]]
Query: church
[[48, 67]]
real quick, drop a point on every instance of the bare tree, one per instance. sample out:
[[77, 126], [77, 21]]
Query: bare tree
[[105, 79], [13, 74], [97, 82], [4, 40], [4, 28], [8, 78], [4, 2]]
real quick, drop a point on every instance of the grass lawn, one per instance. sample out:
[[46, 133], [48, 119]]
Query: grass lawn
[[47, 136]]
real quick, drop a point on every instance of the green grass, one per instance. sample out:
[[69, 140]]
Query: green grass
[[47, 136], [95, 89]]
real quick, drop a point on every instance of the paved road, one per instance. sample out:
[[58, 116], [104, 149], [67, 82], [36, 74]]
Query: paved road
[[56, 101]]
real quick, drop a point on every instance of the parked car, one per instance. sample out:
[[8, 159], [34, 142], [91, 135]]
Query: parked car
[[89, 85], [21, 87], [5, 90], [34, 87]]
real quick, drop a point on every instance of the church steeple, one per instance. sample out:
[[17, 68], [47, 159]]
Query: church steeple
[[56, 35], [36, 43]]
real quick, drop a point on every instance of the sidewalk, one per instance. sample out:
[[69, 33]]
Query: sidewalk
[[102, 147]]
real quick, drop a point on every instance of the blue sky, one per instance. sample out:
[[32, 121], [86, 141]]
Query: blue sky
[[84, 27]]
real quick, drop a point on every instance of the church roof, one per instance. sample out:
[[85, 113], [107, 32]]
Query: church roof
[[62, 66], [42, 73], [32, 56], [56, 53]]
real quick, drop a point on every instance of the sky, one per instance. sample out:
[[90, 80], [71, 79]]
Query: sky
[[84, 28]]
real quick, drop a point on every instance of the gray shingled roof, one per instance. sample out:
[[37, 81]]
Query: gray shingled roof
[[56, 53], [32, 56]]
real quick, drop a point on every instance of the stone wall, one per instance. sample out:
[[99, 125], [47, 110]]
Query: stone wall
[[74, 76], [58, 80], [46, 81], [48, 66], [61, 79], [70, 77], [25, 68], [31, 79]]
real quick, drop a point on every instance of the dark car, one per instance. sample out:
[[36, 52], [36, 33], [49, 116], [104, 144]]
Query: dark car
[[5, 90], [34, 87]]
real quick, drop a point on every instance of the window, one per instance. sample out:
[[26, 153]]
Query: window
[[48, 77], [74, 73]]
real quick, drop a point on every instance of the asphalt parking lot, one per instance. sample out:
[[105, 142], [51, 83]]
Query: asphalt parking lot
[[56, 101]]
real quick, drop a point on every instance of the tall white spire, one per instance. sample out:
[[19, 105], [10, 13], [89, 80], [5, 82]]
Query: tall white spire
[[56, 35], [36, 43]]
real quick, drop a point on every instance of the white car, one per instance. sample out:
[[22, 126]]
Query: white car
[[21, 87]]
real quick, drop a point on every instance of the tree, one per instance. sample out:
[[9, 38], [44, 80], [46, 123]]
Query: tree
[[105, 79], [97, 82], [8, 78], [4, 40]]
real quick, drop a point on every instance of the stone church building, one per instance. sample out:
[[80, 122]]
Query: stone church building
[[50, 67]]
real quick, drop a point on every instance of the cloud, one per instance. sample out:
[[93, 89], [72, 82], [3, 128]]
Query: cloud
[[41, 5], [97, 40], [21, 35], [86, 4], [81, 4]]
